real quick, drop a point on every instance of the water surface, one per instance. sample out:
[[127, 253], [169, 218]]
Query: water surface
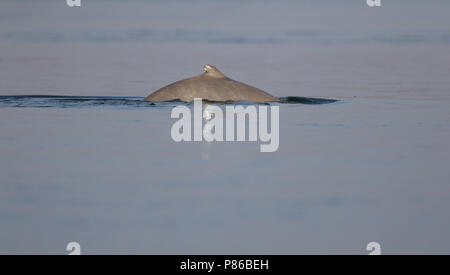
[[89, 161]]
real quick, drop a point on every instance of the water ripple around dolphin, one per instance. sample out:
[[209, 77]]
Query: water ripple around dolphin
[[59, 101]]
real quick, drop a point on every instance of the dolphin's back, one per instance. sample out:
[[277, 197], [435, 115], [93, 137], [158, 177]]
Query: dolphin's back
[[210, 87]]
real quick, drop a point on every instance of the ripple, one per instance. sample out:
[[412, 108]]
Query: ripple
[[59, 101]]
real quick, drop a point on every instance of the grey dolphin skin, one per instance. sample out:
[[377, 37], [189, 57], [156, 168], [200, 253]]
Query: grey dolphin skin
[[212, 85]]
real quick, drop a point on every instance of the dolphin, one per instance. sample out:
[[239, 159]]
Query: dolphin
[[212, 85]]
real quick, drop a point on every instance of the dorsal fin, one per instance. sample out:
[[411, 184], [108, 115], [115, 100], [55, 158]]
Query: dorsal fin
[[210, 70]]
